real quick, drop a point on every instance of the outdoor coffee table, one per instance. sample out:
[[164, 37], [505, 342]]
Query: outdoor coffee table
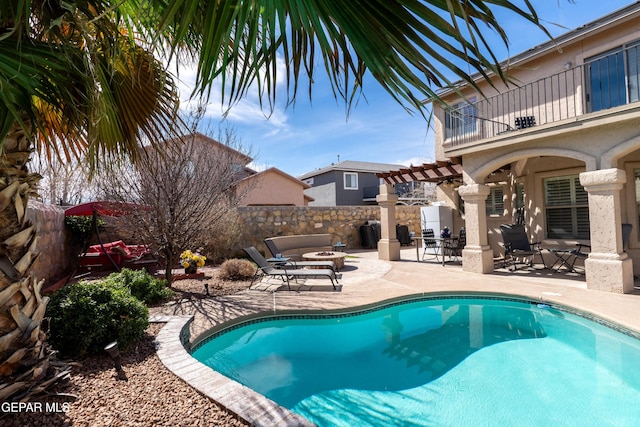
[[336, 257]]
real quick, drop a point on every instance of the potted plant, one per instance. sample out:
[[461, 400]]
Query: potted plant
[[191, 261]]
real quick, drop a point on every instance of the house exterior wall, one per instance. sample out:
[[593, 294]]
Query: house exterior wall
[[324, 194], [329, 190], [271, 188], [580, 142]]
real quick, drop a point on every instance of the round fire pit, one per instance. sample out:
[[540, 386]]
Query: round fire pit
[[336, 257]]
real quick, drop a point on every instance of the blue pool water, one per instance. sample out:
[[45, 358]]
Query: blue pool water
[[438, 362]]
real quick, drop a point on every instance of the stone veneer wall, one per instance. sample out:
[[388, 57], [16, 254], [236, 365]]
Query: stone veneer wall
[[54, 259], [256, 223], [341, 222]]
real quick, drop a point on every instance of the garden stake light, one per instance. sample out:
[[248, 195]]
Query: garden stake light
[[114, 352]]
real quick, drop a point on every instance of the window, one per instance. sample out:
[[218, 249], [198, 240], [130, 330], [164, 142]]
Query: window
[[350, 181], [566, 208], [495, 201], [613, 78], [460, 120]]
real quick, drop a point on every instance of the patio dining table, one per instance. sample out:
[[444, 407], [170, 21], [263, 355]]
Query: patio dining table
[[440, 244]]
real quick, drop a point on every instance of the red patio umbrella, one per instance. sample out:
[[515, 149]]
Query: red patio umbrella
[[101, 208]]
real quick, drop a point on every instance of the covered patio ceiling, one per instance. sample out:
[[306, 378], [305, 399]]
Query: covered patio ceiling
[[427, 172]]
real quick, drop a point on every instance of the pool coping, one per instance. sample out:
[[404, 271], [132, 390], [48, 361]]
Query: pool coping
[[174, 347], [172, 343]]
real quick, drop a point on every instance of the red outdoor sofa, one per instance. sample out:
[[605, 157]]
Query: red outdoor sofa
[[117, 255]]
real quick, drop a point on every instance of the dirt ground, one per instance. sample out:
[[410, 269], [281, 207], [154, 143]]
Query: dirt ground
[[146, 395]]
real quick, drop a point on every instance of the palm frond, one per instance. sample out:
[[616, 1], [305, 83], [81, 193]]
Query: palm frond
[[411, 47], [86, 83]]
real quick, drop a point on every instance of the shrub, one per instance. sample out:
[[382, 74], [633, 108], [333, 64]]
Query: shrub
[[142, 285], [81, 226], [85, 317], [236, 269]]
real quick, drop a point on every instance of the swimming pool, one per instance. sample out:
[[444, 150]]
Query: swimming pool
[[445, 361]]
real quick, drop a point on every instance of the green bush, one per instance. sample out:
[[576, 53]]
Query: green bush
[[143, 285], [85, 317], [81, 226], [236, 269]]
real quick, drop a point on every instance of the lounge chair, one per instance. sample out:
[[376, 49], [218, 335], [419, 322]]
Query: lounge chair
[[517, 245], [285, 272], [295, 263]]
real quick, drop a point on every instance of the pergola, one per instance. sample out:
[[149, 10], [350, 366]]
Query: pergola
[[427, 172], [388, 246]]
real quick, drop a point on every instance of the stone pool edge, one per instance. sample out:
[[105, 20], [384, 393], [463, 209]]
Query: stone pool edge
[[257, 409], [241, 400]]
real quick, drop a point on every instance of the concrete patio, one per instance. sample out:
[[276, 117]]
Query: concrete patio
[[366, 281]]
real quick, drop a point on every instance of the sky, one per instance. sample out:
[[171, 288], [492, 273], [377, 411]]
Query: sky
[[314, 134]]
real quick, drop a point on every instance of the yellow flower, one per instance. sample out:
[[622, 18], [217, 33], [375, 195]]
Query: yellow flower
[[188, 258]]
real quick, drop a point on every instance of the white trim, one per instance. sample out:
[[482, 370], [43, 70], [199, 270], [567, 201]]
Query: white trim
[[344, 180]]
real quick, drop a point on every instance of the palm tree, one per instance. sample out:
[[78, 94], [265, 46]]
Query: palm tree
[[83, 79], [72, 83]]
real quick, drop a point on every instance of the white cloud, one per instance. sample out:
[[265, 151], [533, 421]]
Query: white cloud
[[246, 111], [415, 161]]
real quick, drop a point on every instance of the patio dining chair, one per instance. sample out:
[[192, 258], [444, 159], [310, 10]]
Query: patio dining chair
[[429, 243], [454, 248]]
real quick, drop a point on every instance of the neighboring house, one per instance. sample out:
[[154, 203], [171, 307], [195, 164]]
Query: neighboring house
[[272, 187], [559, 150], [352, 183]]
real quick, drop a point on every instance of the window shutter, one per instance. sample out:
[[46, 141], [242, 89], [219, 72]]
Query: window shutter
[[558, 192], [566, 208], [495, 201]]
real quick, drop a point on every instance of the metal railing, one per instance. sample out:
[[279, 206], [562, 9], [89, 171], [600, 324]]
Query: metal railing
[[602, 83], [406, 191], [370, 192]]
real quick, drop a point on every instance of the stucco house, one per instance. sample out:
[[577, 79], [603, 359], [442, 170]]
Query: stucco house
[[271, 187], [355, 183], [559, 151]]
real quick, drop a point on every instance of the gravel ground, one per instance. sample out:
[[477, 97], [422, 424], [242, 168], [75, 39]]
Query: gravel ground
[[149, 396]]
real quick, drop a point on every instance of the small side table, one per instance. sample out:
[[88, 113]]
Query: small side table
[[339, 247]]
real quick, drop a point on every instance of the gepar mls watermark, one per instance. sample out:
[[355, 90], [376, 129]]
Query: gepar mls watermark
[[34, 407]]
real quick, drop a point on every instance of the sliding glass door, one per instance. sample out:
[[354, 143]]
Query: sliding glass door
[[613, 78]]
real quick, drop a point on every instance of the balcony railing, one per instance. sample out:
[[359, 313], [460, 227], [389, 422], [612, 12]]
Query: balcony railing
[[601, 83]]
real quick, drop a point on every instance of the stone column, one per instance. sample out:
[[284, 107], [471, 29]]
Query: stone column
[[388, 246], [477, 256], [608, 268]]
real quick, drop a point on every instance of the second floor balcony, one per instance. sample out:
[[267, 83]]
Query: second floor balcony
[[603, 82]]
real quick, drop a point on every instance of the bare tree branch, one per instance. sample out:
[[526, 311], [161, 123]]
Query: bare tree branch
[[186, 190]]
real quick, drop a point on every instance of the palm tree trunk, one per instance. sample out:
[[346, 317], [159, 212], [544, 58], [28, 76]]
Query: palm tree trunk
[[25, 356]]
